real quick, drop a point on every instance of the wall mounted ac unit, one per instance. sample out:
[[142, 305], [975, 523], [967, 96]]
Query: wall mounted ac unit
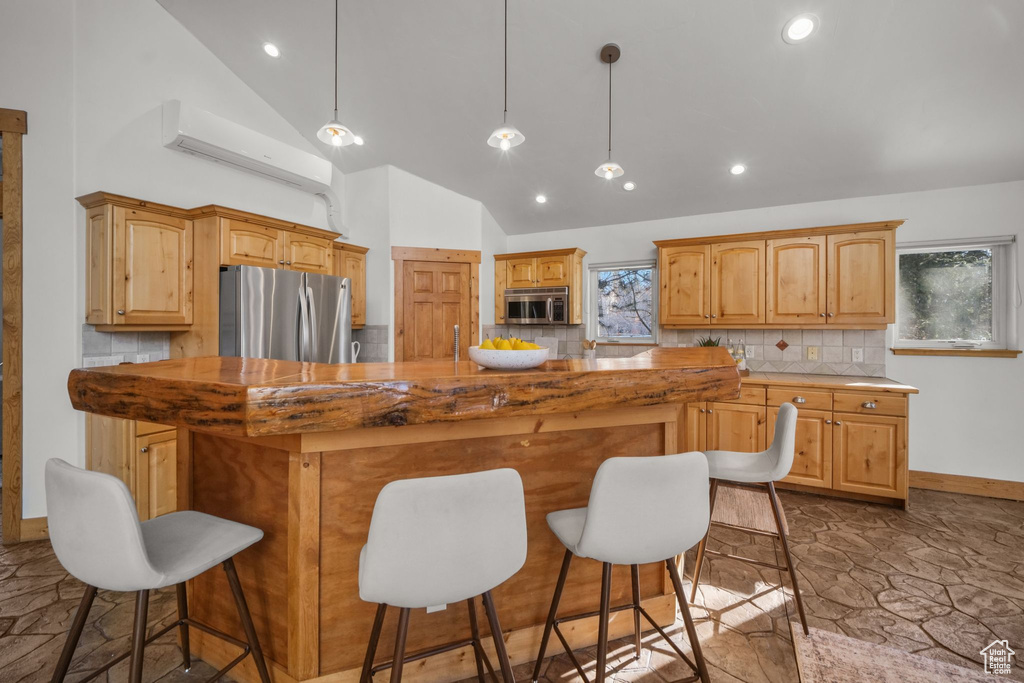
[[202, 134]]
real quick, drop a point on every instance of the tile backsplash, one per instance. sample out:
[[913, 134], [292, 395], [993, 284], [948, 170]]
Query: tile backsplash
[[373, 343], [835, 347], [125, 345]]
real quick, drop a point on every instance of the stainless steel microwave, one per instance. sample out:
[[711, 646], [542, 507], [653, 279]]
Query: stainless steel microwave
[[537, 306]]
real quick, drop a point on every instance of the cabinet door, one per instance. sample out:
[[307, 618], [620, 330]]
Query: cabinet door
[[244, 244], [696, 427], [553, 271], [861, 278], [500, 283], [795, 277], [735, 427], [152, 269], [737, 283], [521, 272], [308, 254], [870, 454], [99, 250], [353, 266], [156, 474], [685, 274], [812, 461]]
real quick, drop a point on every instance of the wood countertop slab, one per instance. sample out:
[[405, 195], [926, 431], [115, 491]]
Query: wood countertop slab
[[833, 382], [256, 397]]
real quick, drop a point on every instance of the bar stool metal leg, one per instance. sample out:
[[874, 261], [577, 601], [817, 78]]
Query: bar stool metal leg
[[371, 647], [399, 659], [499, 639], [186, 653], [474, 628], [247, 625], [552, 613], [74, 634], [602, 628], [703, 543], [789, 558], [691, 630], [138, 636], [635, 571]]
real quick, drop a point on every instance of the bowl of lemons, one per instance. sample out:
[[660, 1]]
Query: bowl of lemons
[[508, 354]]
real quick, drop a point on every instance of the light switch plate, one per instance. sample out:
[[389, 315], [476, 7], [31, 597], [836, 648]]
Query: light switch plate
[[858, 355], [142, 358]]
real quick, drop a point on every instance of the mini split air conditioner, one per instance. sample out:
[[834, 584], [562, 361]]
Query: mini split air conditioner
[[209, 136]]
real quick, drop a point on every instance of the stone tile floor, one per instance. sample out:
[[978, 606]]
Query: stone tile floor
[[943, 580]]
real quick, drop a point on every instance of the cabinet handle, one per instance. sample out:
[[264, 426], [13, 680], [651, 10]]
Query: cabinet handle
[[287, 263], [799, 399], [838, 422], [144, 449], [831, 315], [821, 315], [828, 422], [870, 405], [120, 311], [706, 315], [281, 262], [710, 411], [714, 315], [703, 410]]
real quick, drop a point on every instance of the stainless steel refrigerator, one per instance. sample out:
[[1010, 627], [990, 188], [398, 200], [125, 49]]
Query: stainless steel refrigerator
[[285, 314]]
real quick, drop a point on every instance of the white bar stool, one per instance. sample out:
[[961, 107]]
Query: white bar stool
[[96, 535], [641, 510], [440, 540], [759, 471]]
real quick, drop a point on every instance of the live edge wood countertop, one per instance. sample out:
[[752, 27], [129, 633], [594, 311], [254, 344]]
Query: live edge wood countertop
[[829, 382], [255, 397]]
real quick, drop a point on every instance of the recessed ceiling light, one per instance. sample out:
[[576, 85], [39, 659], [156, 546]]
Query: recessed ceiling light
[[271, 50], [800, 28], [541, 199], [737, 169], [629, 186]]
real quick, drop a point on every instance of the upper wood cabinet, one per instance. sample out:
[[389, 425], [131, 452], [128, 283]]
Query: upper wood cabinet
[[245, 244], [862, 277], [795, 276], [138, 266], [840, 276], [350, 262], [308, 254], [554, 268]]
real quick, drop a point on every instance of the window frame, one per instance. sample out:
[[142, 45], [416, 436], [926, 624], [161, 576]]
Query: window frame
[[594, 329], [1004, 292]]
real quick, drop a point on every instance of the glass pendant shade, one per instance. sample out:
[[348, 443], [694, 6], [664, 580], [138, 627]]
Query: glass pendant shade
[[506, 137], [334, 133], [609, 170]]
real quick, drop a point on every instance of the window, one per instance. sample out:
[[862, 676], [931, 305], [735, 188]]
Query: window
[[957, 294], [623, 304]]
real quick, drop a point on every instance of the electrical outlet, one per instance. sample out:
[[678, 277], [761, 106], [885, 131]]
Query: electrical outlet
[[142, 358], [101, 361], [751, 352], [812, 353], [858, 355]]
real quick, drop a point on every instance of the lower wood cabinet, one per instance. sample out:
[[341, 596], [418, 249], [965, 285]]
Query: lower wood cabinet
[[870, 454], [141, 454], [735, 427], [812, 462]]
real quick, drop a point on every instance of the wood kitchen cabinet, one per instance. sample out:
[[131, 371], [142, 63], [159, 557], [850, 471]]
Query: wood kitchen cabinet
[[696, 427], [350, 262], [308, 254], [141, 454], [812, 460], [735, 427], [812, 278], [245, 244], [138, 266], [528, 270], [870, 454]]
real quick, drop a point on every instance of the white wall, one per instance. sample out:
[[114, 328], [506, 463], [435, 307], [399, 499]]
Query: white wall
[[367, 217], [494, 242], [967, 418]]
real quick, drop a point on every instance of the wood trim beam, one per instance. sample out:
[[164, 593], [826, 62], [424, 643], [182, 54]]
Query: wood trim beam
[[548, 252], [967, 353], [13, 124], [436, 255], [304, 565], [13, 121], [777, 234], [974, 486]]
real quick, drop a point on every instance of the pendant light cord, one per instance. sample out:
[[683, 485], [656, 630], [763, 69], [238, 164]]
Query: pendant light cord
[[504, 116], [336, 2], [609, 109]]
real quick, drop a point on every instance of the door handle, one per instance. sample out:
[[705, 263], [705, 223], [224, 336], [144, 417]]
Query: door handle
[[314, 342], [303, 325], [550, 309], [828, 422]]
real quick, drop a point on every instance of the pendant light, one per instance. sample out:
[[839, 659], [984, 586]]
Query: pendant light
[[334, 132], [505, 137], [609, 169]]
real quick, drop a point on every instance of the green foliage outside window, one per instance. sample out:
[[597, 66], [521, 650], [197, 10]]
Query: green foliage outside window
[[946, 295]]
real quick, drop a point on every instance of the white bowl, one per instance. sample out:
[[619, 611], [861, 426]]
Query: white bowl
[[507, 360]]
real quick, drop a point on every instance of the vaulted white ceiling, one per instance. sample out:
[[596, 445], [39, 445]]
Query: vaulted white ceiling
[[888, 96]]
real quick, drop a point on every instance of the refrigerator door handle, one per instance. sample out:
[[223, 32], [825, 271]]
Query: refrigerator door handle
[[314, 351], [304, 328]]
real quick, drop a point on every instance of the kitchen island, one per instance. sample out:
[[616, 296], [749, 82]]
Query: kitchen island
[[301, 450]]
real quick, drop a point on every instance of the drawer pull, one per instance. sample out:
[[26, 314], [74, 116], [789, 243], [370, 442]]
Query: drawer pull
[[838, 422], [703, 410], [710, 411], [714, 315], [281, 262], [821, 315], [799, 400], [828, 422], [706, 315], [831, 315], [144, 449], [120, 311], [870, 405]]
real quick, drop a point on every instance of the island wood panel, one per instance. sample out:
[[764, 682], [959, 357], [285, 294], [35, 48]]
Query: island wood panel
[[244, 482], [796, 282], [557, 470]]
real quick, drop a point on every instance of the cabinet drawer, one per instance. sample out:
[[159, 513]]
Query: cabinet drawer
[[142, 428], [870, 404], [751, 396], [811, 400]]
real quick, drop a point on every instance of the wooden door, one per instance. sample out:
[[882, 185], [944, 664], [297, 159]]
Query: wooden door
[[553, 271], [353, 266], [735, 427], [685, 274], [861, 278], [870, 454], [245, 244], [99, 252], [521, 272], [812, 461], [696, 427], [308, 254], [737, 283], [796, 282], [155, 474], [436, 298], [152, 268]]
